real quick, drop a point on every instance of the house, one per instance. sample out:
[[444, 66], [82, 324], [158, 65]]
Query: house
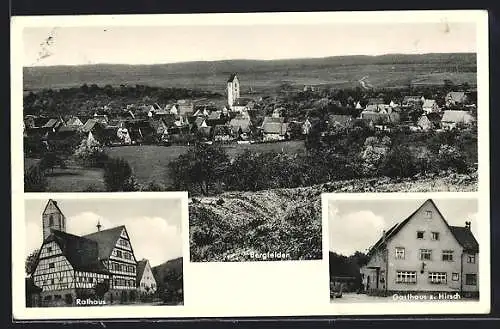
[[123, 135], [172, 109], [453, 118], [52, 125], [429, 121], [101, 118], [430, 106], [413, 100], [158, 125], [184, 108], [336, 121], [375, 101], [274, 129], [90, 125], [216, 118], [74, 121], [240, 105], [456, 98], [233, 89], [423, 253], [222, 133], [241, 126], [146, 283], [69, 266]]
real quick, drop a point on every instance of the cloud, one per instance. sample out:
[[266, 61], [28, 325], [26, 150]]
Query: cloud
[[355, 231]]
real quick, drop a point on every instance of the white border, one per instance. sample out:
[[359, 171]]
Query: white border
[[286, 306], [19, 309], [481, 306]]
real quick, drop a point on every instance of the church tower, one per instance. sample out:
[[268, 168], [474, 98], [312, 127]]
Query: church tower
[[52, 218], [233, 90]]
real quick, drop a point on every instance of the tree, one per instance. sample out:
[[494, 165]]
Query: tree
[[49, 161], [90, 153], [34, 179], [118, 176], [30, 263], [451, 158], [200, 167]]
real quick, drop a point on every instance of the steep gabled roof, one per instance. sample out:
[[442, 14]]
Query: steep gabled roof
[[89, 125], [55, 205], [106, 240], [231, 77], [82, 253], [457, 116], [465, 237]]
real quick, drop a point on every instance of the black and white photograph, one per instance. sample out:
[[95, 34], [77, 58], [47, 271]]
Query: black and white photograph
[[103, 252], [255, 133], [404, 250]]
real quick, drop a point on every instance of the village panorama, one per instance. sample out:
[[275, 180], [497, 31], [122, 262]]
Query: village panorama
[[256, 148]]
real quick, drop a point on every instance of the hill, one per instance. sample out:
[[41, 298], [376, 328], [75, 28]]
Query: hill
[[160, 271], [385, 70]]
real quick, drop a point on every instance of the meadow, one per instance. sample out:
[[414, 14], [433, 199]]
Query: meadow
[[149, 163]]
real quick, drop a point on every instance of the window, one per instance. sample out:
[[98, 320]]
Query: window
[[437, 277], [471, 259], [470, 279], [57, 297], [51, 281], [52, 265], [406, 277], [420, 234], [400, 253], [435, 236], [425, 254], [51, 220], [49, 249], [428, 214], [454, 276], [119, 254], [447, 255]]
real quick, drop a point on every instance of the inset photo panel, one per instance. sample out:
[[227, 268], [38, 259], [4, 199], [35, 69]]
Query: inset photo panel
[[408, 248], [102, 250]]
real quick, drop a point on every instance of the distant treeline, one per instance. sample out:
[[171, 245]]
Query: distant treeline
[[90, 97]]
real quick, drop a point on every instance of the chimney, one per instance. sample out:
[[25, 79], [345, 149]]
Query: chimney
[[467, 225], [98, 225]]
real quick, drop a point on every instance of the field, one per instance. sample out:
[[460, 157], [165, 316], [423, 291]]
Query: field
[[150, 162], [263, 76]]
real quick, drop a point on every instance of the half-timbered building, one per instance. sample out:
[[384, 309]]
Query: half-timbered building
[[69, 267]]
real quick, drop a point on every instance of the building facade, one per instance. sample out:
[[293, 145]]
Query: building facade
[[423, 254], [100, 266], [146, 283]]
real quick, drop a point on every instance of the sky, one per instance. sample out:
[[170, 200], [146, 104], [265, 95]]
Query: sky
[[357, 225], [153, 225], [169, 44]]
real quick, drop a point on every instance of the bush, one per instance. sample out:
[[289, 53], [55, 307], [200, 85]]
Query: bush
[[118, 176], [450, 158], [34, 179]]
